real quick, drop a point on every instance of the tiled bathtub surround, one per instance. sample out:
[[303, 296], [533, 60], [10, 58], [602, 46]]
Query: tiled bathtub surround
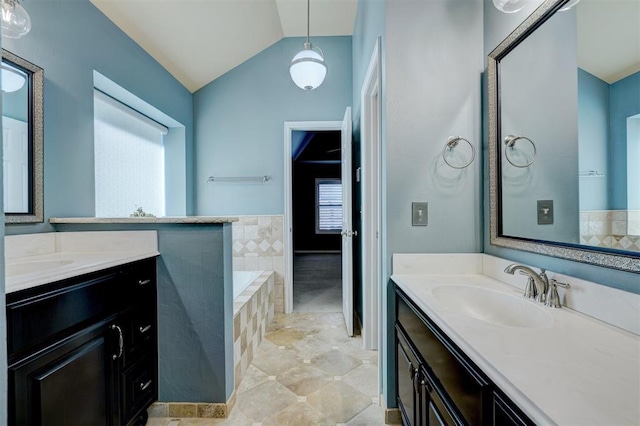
[[619, 229], [253, 311], [258, 245]]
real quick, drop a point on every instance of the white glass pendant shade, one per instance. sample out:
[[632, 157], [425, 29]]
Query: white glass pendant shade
[[12, 79], [308, 69], [15, 20], [510, 6]]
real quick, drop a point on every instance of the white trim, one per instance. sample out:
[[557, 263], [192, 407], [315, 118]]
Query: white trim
[[289, 127], [371, 140]]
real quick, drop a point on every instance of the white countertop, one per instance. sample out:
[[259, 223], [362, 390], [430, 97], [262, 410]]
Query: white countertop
[[575, 371], [165, 219], [79, 264], [36, 259]]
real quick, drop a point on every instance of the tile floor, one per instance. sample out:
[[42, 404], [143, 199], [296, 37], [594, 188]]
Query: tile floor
[[305, 372]]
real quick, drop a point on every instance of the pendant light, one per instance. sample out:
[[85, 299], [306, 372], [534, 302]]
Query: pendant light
[[308, 68], [12, 79], [510, 6], [15, 20]]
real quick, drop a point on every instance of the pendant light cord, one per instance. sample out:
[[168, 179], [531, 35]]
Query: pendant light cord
[[308, 19]]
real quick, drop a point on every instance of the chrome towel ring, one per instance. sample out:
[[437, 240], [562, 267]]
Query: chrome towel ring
[[510, 142], [453, 142]]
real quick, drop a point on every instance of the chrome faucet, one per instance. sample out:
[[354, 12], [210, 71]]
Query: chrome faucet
[[553, 299], [537, 285]]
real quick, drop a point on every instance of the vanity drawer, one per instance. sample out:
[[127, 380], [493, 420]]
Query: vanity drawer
[[139, 387], [32, 322], [457, 380]]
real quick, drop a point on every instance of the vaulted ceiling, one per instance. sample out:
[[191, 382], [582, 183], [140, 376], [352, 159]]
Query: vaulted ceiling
[[199, 40]]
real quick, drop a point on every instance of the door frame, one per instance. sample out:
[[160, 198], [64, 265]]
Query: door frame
[[289, 127], [371, 156]]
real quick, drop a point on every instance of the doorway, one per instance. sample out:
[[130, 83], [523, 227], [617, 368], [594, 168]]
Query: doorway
[[317, 221], [346, 233]]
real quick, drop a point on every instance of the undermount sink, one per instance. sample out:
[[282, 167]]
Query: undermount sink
[[21, 268], [492, 306]]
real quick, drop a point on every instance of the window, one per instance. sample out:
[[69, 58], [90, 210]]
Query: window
[[129, 160], [328, 206]]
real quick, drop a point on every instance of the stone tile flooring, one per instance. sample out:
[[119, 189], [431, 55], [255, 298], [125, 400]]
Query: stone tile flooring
[[305, 372]]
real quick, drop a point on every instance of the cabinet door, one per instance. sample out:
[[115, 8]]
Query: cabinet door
[[462, 387], [406, 375], [67, 384]]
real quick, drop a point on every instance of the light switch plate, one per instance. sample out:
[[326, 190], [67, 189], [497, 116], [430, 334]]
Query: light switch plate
[[545, 212], [419, 214]]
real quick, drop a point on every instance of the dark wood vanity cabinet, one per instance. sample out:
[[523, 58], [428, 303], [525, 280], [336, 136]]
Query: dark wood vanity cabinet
[[437, 383], [83, 351]]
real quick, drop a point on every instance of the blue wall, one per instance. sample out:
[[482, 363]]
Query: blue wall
[[593, 133], [369, 26], [497, 26], [239, 124], [625, 102], [70, 39]]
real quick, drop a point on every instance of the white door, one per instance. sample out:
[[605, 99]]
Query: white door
[[15, 143], [347, 224]]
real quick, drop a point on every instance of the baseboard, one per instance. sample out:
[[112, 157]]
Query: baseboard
[[392, 416], [192, 410]]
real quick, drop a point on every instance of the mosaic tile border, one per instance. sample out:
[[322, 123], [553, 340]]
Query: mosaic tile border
[[618, 229], [258, 245]]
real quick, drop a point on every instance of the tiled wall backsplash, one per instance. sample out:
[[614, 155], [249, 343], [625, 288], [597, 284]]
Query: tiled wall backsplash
[[258, 245], [618, 229]]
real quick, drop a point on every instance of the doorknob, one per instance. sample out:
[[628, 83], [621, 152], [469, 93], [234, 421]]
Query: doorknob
[[349, 233]]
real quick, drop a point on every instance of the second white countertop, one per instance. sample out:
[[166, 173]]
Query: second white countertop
[[32, 260], [574, 371]]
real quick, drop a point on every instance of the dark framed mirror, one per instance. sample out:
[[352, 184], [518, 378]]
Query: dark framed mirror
[[564, 134], [22, 138]]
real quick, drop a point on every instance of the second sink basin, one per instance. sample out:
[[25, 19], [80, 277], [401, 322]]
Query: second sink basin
[[12, 269], [492, 306]]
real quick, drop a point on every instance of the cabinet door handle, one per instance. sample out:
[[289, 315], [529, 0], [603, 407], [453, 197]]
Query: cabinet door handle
[[144, 282], [145, 329], [120, 342], [145, 386]]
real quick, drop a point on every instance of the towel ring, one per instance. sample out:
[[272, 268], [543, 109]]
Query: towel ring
[[510, 142], [452, 142]]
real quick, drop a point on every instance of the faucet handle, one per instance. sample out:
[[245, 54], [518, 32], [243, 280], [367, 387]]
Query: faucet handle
[[530, 290], [553, 299], [559, 283]]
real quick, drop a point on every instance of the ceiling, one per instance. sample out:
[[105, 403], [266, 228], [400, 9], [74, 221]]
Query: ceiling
[[609, 38], [197, 41]]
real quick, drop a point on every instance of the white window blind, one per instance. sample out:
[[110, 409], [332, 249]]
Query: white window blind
[[129, 160], [329, 206]]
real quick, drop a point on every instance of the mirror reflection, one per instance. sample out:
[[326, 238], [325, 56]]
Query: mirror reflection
[[22, 83], [571, 89]]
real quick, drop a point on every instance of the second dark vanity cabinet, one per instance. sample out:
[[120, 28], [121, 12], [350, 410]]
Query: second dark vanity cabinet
[[83, 351], [437, 383]]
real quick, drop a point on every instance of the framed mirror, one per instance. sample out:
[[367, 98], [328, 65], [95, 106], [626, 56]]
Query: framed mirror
[[564, 134], [22, 139]]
